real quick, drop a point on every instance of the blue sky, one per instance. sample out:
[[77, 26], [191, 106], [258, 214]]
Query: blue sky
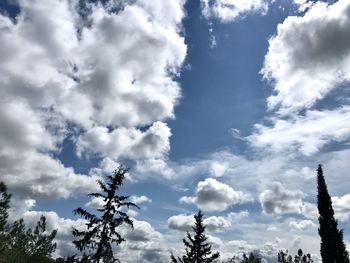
[[227, 106]]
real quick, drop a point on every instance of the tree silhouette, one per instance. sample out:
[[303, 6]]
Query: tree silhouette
[[101, 231], [5, 198], [283, 257], [40, 245], [333, 249], [21, 245], [251, 259], [197, 248]]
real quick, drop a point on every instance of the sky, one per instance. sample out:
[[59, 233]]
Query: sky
[[227, 106]]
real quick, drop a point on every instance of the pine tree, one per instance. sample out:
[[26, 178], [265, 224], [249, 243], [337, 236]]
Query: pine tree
[[333, 249], [41, 245], [251, 259], [4, 206], [198, 250], [300, 257], [102, 231]]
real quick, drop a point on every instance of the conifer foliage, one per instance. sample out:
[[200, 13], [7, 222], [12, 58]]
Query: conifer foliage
[[300, 257], [101, 231], [198, 250], [20, 244], [333, 249]]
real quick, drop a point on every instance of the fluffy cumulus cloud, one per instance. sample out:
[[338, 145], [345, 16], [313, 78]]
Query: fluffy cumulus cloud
[[278, 200], [230, 10], [212, 195], [304, 64], [341, 207], [108, 75], [304, 61], [184, 222], [302, 225], [126, 142]]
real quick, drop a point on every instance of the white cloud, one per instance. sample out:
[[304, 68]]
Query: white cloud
[[181, 222], [303, 61], [184, 222], [109, 80], [301, 225], [212, 195], [303, 5], [231, 10], [278, 200], [306, 134], [126, 142], [139, 199], [341, 206]]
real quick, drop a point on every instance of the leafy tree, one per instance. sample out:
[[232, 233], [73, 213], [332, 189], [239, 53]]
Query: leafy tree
[[198, 250], [101, 231], [333, 249]]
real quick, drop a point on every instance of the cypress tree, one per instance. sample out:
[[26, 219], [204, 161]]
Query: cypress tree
[[333, 249], [198, 250]]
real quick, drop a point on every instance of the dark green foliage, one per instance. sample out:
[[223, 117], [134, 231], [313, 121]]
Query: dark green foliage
[[283, 257], [246, 259], [198, 250], [333, 249], [251, 259], [73, 259], [4, 206], [41, 245], [21, 245], [101, 230]]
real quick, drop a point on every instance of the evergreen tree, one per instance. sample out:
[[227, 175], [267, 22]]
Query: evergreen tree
[[4, 206], [302, 258], [27, 246], [101, 231], [198, 250], [333, 249], [283, 257], [251, 259], [40, 245], [21, 245]]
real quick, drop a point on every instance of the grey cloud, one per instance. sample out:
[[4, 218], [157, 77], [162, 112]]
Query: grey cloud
[[304, 60], [279, 200], [101, 79]]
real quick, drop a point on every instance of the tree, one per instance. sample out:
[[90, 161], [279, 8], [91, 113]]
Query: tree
[[4, 206], [41, 245], [26, 246], [198, 250], [18, 244], [300, 257], [333, 249], [101, 231], [251, 259]]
